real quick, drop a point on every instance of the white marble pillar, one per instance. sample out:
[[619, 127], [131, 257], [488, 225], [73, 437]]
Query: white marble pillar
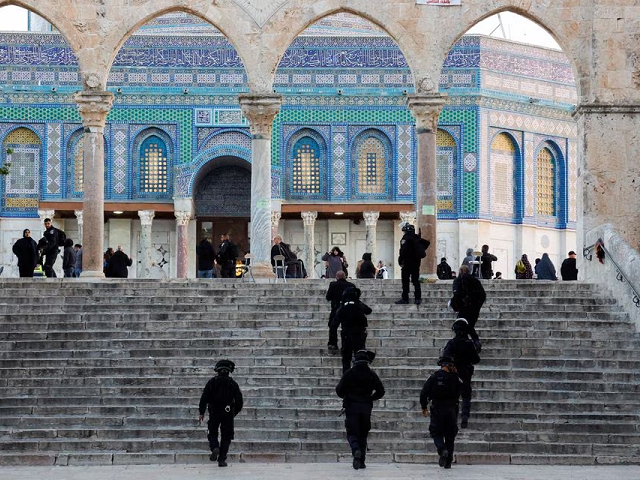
[[182, 253], [146, 222], [309, 221], [275, 222], [94, 106], [260, 110], [426, 108], [371, 222], [80, 219]]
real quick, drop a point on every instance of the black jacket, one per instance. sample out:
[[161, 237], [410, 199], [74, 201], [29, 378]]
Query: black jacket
[[367, 270], [360, 384], [463, 352], [468, 294], [568, 269], [219, 393], [206, 255], [353, 318], [51, 236], [444, 271], [408, 256], [485, 265], [227, 252], [442, 389], [69, 258], [26, 249], [117, 266], [336, 289]]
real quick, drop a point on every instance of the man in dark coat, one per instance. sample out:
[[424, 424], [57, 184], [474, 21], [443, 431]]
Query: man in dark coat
[[486, 260], [223, 398], [444, 270], [68, 259], [359, 387], [26, 249], [465, 356], [439, 399], [409, 260], [51, 248], [334, 295], [568, 269], [206, 256], [118, 263], [352, 315], [227, 254], [468, 298]]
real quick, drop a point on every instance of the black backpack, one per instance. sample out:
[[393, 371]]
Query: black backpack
[[234, 251], [62, 238], [421, 247]]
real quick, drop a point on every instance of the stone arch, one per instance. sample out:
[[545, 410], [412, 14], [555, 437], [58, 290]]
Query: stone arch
[[381, 142], [316, 154], [226, 175], [560, 181]]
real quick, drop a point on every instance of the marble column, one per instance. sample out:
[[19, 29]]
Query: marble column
[[146, 247], [426, 108], [80, 218], [371, 221], [260, 110], [309, 221], [94, 106], [409, 217], [275, 222], [182, 254]]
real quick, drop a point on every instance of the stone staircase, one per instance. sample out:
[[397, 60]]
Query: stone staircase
[[111, 373]]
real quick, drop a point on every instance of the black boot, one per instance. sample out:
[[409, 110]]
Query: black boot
[[222, 462], [214, 454], [364, 454], [444, 456], [357, 457], [402, 301]]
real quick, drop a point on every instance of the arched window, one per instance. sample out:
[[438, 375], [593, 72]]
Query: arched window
[[546, 183], [154, 165], [445, 170], [371, 153], [306, 171], [503, 167], [24, 176], [77, 167]]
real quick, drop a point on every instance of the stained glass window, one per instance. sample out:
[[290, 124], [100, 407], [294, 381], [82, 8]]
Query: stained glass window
[[153, 166], [445, 170], [371, 167], [503, 161], [306, 174], [545, 191], [25, 162]]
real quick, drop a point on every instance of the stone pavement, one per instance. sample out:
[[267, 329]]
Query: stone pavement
[[322, 471]]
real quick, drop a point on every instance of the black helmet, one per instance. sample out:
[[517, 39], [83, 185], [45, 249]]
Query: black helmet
[[225, 366], [407, 227], [364, 356], [351, 294], [460, 324], [445, 360]]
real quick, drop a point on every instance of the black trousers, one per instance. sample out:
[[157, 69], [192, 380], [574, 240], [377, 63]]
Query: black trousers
[[412, 273], [351, 343], [333, 331], [25, 271], [358, 424], [224, 424], [49, 260], [443, 428], [465, 392], [471, 314], [228, 269]]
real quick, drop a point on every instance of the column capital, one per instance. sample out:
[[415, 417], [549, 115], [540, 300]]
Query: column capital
[[46, 214], [309, 218], [275, 218], [426, 108], [409, 217], [182, 218], [79, 216], [94, 108], [146, 217], [260, 110], [371, 218]]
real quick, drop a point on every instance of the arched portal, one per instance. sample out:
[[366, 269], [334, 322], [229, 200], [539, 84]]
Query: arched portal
[[222, 198]]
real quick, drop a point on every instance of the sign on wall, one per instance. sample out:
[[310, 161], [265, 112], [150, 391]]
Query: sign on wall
[[445, 3]]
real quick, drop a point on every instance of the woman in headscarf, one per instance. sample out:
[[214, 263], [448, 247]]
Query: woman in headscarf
[[335, 261], [545, 269], [528, 271], [26, 249]]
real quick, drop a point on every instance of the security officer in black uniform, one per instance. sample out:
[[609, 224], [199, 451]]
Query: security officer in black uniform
[[465, 356], [227, 254], [223, 397], [51, 249], [352, 315], [409, 260], [442, 390], [359, 387]]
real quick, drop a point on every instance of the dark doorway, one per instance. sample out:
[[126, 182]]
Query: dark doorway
[[212, 228]]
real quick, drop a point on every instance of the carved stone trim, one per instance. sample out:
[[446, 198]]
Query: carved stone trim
[[426, 108], [371, 218], [46, 214], [260, 110], [182, 218], [309, 218], [409, 217], [79, 216], [146, 217], [604, 108], [94, 108], [275, 219]]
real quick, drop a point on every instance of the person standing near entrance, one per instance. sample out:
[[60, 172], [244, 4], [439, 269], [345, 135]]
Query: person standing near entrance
[[51, 248], [227, 254], [568, 269], [409, 260], [26, 249], [206, 257]]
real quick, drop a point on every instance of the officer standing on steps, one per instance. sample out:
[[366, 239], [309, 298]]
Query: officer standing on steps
[[409, 260], [465, 356], [223, 397], [442, 391], [352, 315], [359, 387]]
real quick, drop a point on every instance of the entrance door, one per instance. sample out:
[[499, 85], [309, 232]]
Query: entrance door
[[238, 229]]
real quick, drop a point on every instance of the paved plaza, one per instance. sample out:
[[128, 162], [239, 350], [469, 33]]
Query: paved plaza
[[322, 471]]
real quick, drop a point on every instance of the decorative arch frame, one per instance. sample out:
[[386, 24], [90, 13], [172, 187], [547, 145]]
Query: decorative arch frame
[[456, 178], [559, 220], [518, 174], [71, 140], [137, 143], [389, 162], [291, 141], [27, 196]]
